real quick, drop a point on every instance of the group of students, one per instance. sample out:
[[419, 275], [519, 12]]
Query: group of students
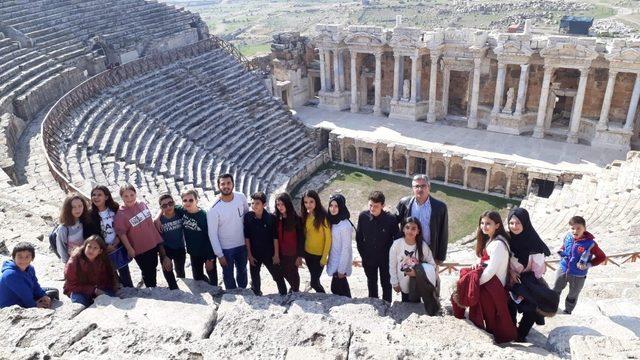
[[97, 241]]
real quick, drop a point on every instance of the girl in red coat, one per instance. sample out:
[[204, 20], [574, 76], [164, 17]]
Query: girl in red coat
[[89, 273], [482, 287]]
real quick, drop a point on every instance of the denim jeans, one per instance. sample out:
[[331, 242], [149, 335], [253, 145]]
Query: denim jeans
[[236, 257], [85, 300]]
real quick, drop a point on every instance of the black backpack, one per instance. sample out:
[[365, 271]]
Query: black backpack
[[53, 240]]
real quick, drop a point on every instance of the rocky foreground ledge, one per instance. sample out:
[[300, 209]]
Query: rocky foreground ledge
[[203, 322]]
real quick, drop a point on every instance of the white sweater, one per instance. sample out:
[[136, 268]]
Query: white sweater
[[498, 263], [340, 256], [225, 223], [398, 255]]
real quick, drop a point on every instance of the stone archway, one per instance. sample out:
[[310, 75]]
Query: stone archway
[[350, 154], [498, 182], [456, 174], [399, 162], [366, 157], [477, 178], [382, 159], [438, 170]]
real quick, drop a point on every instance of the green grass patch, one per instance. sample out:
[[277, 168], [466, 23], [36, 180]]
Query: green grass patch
[[464, 206], [249, 50]]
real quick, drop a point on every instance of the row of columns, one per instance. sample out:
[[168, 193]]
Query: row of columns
[[325, 70], [576, 113], [447, 161], [416, 73], [603, 122], [523, 83]]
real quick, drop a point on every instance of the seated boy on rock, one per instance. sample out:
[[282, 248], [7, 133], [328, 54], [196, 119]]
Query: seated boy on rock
[[18, 282]]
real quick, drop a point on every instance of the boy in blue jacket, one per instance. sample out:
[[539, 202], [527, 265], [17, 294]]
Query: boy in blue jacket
[[578, 253], [18, 282]]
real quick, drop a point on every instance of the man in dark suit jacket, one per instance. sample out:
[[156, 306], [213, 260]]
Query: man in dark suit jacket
[[432, 214]]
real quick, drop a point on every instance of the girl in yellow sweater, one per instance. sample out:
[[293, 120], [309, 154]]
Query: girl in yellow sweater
[[317, 236]]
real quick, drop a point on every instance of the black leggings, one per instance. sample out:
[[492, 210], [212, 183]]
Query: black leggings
[[148, 263], [198, 267], [315, 269]]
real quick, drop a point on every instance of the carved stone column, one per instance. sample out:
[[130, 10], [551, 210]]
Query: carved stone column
[[445, 90], [433, 81], [377, 110], [397, 78], [465, 178], [538, 131], [323, 68], [522, 89], [446, 170], [497, 98], [390, 159], [416, 73], [603, 122], [336, 71], [327, 71], [633, 107], [406, 162], [576, 112], [357, 154], [375, 158], [475, 94], [487, 180], [507, 190], [354, 83]]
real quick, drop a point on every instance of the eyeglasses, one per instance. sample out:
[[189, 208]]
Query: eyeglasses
[[188, 200], [420, 186], [167, 204]]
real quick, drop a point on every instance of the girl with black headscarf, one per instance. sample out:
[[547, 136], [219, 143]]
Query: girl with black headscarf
[[531, 296], [340, 256]]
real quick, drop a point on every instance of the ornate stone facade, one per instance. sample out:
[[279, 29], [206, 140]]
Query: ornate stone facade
[[578, 89]]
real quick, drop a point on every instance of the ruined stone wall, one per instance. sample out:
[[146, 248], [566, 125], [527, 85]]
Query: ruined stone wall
[[621, 97], [536, 75], [459, 93], [594, 96], [488, 85]]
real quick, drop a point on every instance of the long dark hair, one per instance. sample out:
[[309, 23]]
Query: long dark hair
[[79, 255], [482, 239], [419, 237], [290, 218], [66, 216], [109, 203], [319, 213]]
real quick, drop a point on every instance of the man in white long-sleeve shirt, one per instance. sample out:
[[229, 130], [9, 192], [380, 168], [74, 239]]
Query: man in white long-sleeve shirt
[[225, 224]]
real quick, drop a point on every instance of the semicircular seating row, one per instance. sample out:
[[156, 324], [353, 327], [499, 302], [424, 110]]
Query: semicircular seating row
[[610, 203], [182, 126], [61, 27], [46, 44]]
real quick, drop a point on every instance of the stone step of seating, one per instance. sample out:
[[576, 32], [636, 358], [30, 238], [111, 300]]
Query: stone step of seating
[[7, 46], [181, 126], [23, 84], [20, 65]]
